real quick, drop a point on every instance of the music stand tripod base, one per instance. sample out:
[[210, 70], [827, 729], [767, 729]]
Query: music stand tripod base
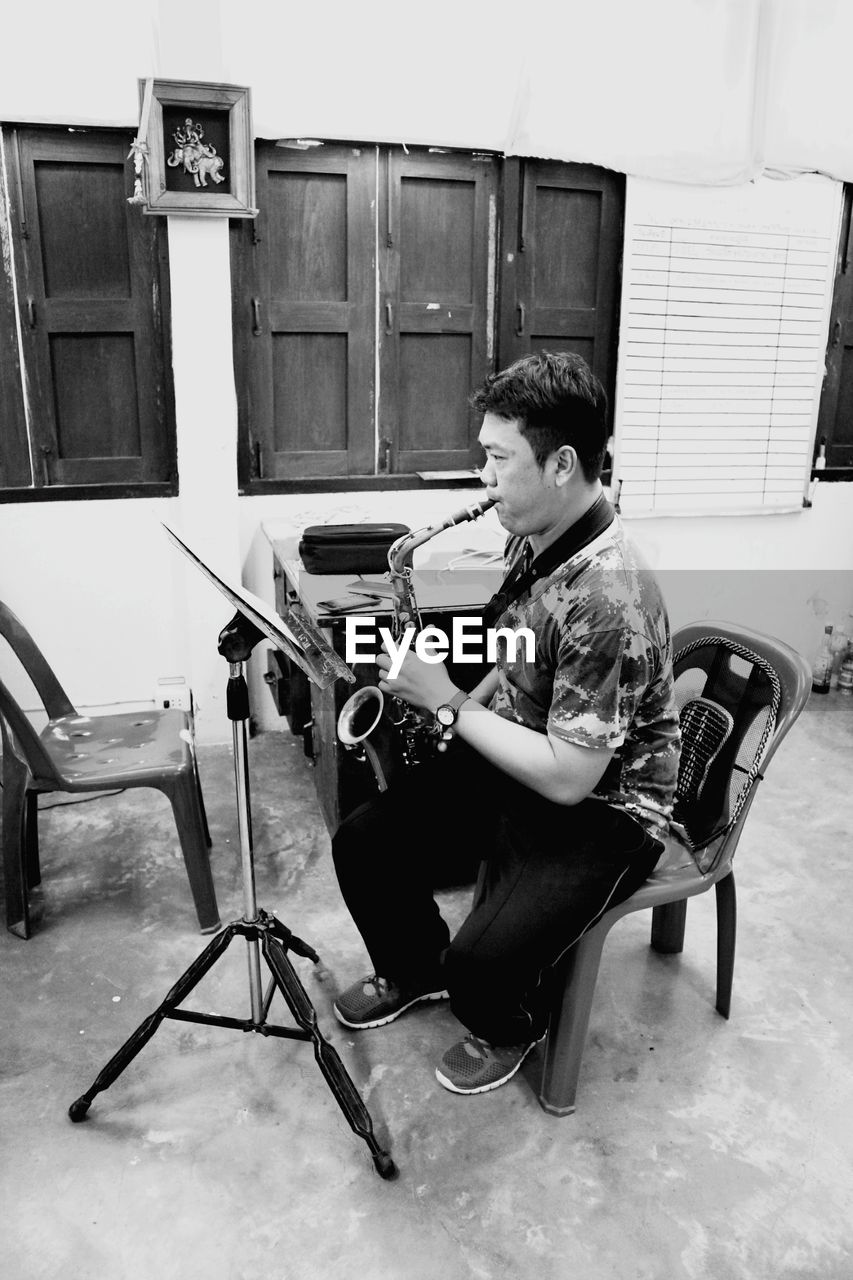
[[267, 936]]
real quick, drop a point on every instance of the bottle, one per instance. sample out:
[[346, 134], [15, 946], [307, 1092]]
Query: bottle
[[842, 639], [822, 669], [845, 675], [820, 460]]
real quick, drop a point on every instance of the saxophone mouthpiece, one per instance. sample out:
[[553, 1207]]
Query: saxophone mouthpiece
[[473, 511]]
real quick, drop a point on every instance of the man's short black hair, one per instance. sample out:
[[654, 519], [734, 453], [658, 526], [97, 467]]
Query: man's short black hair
[[557, 400]]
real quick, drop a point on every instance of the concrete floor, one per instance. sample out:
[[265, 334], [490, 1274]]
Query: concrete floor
[[700, 1149]]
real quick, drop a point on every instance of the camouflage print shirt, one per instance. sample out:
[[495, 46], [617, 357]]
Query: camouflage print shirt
[[602, 675]]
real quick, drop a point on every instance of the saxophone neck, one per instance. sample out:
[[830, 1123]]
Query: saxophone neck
[[401, 552]]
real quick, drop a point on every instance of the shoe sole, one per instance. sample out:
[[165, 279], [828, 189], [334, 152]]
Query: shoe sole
[[484, 1088], [390, 1017]]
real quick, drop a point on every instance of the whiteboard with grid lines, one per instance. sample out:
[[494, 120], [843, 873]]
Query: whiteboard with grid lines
[[725, 311]]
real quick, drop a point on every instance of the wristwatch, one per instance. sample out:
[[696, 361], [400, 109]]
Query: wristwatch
[[447, 713]]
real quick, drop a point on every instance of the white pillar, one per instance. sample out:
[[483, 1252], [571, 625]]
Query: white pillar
[[206, 414]]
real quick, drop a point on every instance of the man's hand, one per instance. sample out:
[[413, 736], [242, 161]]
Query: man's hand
[[424, 684]]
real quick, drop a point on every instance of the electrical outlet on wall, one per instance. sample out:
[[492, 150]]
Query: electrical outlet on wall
[[174, 692]]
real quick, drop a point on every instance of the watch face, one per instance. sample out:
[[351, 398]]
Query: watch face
[[446, 715]]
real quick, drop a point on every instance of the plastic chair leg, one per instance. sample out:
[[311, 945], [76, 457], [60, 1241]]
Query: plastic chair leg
[[668, 921], [15, 778], [206, 828], [184, 797], [31, 839], [726, 933], [569, 1022]]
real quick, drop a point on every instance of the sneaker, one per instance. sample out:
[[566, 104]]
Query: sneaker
[[375, 1001], [474, 1066]]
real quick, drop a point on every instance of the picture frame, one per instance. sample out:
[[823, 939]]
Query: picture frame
[[197, 147]]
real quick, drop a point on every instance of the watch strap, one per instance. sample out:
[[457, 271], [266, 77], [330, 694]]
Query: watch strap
[[457, 700]]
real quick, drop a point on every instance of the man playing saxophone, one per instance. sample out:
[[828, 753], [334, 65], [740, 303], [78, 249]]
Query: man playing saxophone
[[561, 772]]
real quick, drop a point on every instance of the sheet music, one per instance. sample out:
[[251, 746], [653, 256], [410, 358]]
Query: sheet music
[[725, 312], [294, 635]]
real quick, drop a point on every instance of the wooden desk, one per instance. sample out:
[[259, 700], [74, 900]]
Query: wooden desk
[[341, 779]]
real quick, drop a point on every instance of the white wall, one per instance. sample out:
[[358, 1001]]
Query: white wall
[[110, 601]]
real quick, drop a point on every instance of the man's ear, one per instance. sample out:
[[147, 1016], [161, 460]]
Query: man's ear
[[566, 460]]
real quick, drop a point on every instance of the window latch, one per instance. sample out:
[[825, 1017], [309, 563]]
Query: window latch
[[46, 451], [31, 313], [256, 317], [384, 461]]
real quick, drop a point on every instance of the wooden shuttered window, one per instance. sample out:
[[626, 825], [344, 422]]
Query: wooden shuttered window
[[560, 263], [361, 313], [92, 280]]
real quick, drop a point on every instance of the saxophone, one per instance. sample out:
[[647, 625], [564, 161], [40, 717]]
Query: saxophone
[[415, 732]]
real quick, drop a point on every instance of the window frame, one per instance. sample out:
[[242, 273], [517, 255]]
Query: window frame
[[21, 467], [501, 266], [246, 247], [841, 319]]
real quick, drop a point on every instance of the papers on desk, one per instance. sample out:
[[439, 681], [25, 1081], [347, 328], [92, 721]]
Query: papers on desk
[[363, 587], [433, 591], [479, 558]]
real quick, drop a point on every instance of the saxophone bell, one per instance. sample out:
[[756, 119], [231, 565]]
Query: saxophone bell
[[360, 715], [357, 719]]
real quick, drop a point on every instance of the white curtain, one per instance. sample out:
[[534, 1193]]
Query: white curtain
[[809, 46], [663, 89], [444, 73], [694, 91], [691, 91]]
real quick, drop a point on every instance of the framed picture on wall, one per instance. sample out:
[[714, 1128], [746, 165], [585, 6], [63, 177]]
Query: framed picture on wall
[[195, 145]]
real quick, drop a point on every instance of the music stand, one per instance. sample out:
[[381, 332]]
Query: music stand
[[264, 934]]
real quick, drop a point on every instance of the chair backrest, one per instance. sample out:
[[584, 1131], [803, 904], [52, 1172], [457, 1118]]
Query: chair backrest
[[738, 693], [25, 741], [55, 699]]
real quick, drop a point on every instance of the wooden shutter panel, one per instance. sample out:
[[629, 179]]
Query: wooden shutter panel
[[304, 315], [91, 299], [836, 416], [562, 245], [437, 250]]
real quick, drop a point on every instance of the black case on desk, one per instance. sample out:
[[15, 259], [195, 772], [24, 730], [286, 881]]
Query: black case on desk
[[348, 548]]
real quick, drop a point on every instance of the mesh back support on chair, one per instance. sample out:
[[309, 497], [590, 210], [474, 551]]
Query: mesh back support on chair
[[728, 701]]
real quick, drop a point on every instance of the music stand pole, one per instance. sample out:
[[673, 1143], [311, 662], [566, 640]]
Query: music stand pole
[[265, 935], [237, 702]]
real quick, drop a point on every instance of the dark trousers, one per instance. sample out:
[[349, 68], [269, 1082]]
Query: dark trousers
[[545, 874]]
